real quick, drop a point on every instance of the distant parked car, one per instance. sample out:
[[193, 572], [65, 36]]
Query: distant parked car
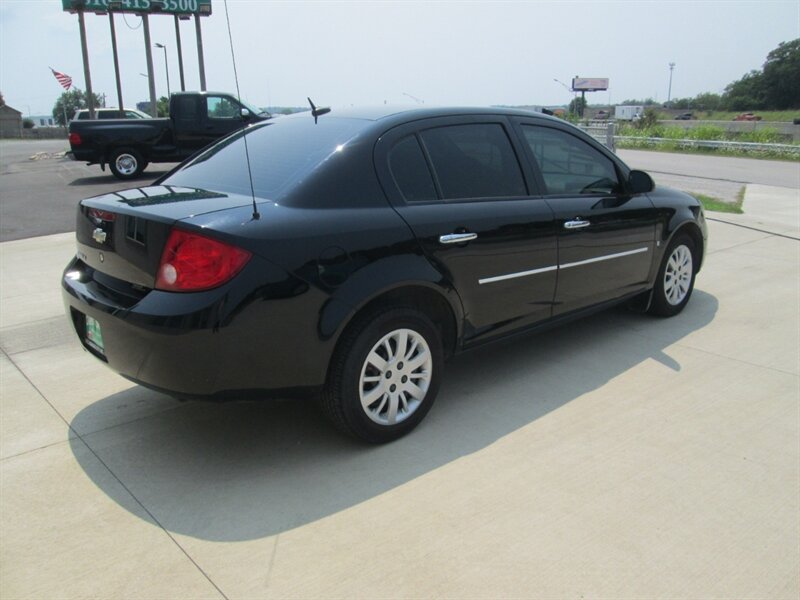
[[687, 116], [602, 115], [748, 116], [111, 113]]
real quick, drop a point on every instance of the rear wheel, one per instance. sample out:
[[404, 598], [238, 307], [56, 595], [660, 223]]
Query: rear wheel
[[126, 163], [385, 375], [675, 280]]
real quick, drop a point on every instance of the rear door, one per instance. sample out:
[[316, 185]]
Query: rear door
[[460, 185], [606, 236]]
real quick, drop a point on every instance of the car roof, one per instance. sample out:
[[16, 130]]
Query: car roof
[[396, 114]]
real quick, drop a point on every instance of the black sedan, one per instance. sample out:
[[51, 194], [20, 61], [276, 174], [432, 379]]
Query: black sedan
[[356, 251]]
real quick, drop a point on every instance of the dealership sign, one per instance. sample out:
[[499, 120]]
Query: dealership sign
[[170, 7], [589, 84]]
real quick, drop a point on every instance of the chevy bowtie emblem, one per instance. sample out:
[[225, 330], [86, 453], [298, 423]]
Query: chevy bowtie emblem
[[99, 236]]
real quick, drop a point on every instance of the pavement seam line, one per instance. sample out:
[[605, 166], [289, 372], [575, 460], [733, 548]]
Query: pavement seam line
[[24, 452], [738, 360], [783, 235], [740, 244], [114, 475]]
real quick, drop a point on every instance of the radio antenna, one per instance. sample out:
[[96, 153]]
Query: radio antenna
[[256, 214]]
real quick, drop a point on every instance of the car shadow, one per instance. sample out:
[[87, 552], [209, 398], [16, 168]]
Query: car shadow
[[246, 470]]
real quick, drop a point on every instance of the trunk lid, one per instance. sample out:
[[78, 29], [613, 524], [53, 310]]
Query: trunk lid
[[122, 234]]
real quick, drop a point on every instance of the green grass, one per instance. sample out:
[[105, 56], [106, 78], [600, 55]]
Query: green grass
[[785, 116], [710, 203], [672, 135]]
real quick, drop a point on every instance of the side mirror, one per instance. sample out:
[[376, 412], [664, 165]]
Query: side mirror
[[245, 114], [640, 182]]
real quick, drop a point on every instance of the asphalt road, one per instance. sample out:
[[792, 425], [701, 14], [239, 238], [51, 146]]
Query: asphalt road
[[718, 168], [38, 197]]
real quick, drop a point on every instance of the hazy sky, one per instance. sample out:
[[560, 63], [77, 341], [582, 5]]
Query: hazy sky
[[456, 53]]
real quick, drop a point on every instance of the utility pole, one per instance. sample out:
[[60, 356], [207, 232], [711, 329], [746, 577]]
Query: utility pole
[[669, 92]]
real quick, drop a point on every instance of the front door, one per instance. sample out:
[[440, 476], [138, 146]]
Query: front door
[[606, 236]]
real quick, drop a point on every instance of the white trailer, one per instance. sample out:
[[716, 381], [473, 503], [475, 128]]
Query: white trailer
[[628, 113]]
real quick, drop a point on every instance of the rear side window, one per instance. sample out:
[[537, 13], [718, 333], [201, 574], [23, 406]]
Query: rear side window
[[410, 171], [569, 165], [474, 161], [185, 107]]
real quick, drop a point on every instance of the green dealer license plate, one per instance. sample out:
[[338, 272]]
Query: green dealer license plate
[[94, 336]]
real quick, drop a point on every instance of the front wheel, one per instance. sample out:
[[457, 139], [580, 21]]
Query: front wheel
[[675, 280], [385, 375], [126, 163]]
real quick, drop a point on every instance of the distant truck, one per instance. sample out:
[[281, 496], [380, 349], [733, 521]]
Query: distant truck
[[628, 112], [127, 146]]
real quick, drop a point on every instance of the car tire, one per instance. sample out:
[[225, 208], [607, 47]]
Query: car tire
[[384, 375], [126, 163], [675, 280]]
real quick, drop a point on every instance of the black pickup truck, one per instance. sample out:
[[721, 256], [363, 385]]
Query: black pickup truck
[[127, 146]]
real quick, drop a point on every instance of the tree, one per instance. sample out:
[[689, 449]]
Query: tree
[[577, 105], [649, 119], [706, 101], [781, 77], [645, 102], [680, 103], [70, 102], [162, 107], [775, 87], [27, 124], [746, 93], [2, 100]]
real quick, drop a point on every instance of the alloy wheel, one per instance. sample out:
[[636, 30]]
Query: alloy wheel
[[395, 377]]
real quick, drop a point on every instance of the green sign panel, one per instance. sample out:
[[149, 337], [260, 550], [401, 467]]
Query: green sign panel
[[170, 7]]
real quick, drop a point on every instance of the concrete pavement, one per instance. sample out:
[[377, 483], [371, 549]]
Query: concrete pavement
[[619, 457]]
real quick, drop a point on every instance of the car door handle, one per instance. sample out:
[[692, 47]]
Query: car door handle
[[576, 224], [457, 238]]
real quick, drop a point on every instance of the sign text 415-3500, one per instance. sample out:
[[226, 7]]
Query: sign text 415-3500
[[141, 6]]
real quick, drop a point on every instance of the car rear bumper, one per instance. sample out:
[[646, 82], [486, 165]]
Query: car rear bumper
[[217, 344]]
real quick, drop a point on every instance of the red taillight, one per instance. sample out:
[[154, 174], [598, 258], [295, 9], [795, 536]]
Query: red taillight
[[192, 262], [75, 139], [102, 215]]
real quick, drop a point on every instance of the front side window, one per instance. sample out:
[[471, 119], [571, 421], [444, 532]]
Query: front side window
[[220, 107], [474, 161], [570, 166]]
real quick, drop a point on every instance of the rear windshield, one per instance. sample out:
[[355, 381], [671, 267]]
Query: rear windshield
[[282, 153]]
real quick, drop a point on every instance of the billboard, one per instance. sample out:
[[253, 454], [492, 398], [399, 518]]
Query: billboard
[[169, 7], [589, 84]]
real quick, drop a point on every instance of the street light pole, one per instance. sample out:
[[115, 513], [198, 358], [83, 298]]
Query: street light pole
[[669, 92], [570, 90], [166, 66]]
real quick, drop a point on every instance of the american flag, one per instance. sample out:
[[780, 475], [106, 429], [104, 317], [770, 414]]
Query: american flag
[[64, 80]]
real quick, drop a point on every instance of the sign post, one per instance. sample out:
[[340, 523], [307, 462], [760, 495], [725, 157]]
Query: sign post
[[180, 9], [86, 73], [120, 105]]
